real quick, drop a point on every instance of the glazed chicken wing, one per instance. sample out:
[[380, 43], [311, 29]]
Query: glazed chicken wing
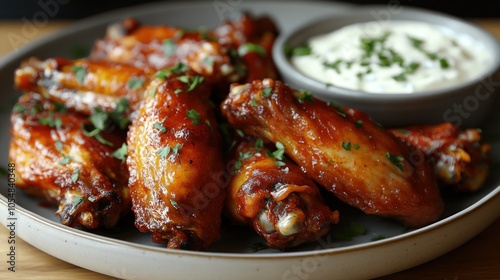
[[341, 148], [163, 46], [175, 161], [271, 194], [458, 156], [56, 161], [83, 85]]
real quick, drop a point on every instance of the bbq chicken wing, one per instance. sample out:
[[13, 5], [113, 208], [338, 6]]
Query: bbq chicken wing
[[271, 194], [175, 160], [340, 148], [57, 162], [163, 46], [83, 85], [459, 158]]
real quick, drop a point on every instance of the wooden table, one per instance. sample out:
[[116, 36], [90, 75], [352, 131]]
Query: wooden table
[[477, 259]]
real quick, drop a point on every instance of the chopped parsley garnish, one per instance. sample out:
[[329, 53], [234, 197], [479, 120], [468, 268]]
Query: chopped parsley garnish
[[101, 120], [80, 73], [280, 151], [304, 95], [254, 103], [358, 123], [135, 83], [339, 109], [160, 127], [259, 144], [240, 133], [19, 108], [444, 63], [396, 160], [403, 131], [176, 148], [174, 204], [75, 175], [59, 145], [164, 151], [168, 47], [179, 68], [267, 92], [50, 120], [121, 153], [297, 51], [65, 160], [152, 92], [192, 82], [333, 65], [193, 115], [346, 145], [418, 44], [249, 47]]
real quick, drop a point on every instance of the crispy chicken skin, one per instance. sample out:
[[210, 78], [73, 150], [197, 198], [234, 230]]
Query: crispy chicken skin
[[275, 198], [57, 162], [340, 148], [175, 160], [164, 46], [83, 85], [460, 159]]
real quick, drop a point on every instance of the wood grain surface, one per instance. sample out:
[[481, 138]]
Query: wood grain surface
[[477, 259]]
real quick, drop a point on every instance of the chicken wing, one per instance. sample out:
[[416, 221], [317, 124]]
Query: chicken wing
[[57, 162], [273, 195], [164, 46], [176, 162], [458, 156], [83, 85], [254, 38], [341, 148]]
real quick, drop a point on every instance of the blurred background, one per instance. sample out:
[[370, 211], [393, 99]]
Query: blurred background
[[76, 9]]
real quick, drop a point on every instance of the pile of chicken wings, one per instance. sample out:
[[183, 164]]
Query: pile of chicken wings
[[183, 127]]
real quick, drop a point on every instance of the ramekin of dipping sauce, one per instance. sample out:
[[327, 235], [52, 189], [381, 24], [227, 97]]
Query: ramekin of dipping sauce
[[412, 67]]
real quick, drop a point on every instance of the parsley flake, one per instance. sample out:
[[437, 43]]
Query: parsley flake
[[192, 82], [396, 160], [249, 47], [163, 152], [160, 127], [168, 47], [304, 95], [280, 151], [346, 145], [297, 51], [135, 83], [75, 175], [121, 153], [65, 160], [267, 92], [193, 115], [80, 73]]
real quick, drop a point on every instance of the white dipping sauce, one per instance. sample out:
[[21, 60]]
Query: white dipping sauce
[[398, 57]]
